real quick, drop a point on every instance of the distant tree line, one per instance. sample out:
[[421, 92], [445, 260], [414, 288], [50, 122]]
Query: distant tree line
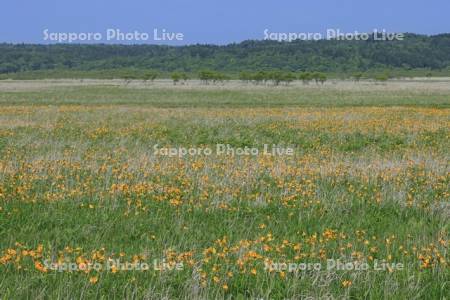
[[328, 56]]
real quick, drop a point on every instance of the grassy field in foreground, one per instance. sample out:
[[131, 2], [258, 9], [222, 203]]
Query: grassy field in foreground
[[81, 187]]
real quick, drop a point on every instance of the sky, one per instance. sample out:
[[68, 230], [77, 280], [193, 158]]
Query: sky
[[210, 22]]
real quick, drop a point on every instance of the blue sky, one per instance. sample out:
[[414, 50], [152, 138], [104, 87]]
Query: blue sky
[[218, 22]]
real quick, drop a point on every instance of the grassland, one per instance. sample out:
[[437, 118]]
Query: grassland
[[368, 183]]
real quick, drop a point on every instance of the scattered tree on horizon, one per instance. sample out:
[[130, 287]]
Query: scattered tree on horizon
[[175, 77], [206, 76], [357, 76], [184, 77], [382, 78], [150, 76], [319, 77], [305, 77]]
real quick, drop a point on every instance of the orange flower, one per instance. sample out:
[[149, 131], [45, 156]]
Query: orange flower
[[39, 266], [346, 283], [93, 280]]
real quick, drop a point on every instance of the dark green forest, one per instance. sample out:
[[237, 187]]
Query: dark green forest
[[415, 52]]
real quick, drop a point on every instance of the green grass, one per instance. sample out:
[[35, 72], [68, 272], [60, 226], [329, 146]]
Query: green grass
[[369, 181], [310, 96]]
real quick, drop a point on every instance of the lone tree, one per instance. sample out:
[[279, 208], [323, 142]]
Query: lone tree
[[245, 77], [357, 76], [276, 77], [220, 77], [322, 78], [128, 78], [184, 77], [305, 77], [288, 78], [319, 77], [206, 76], [150, 76], [261, 76], [176, 77], [381, 78]]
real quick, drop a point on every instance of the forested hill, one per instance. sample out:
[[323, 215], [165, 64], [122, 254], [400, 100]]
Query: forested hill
[[414, 52]]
